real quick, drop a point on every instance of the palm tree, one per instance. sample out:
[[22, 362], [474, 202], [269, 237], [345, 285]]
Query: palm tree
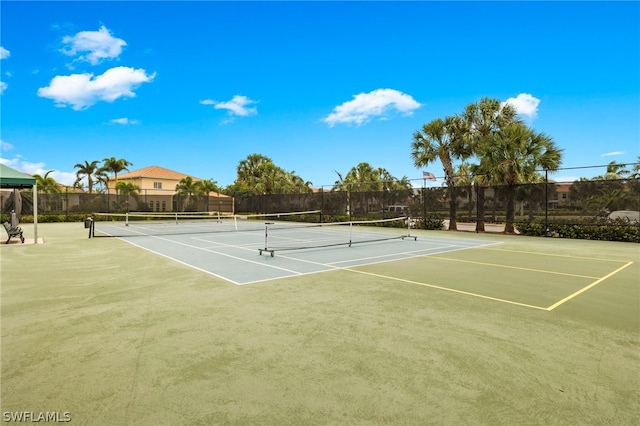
[[102, 178], [204, 188], [364, 177], [250, 167], [126, 189], [294, 184], [187, 188], [513, 157], [483, 120], [441, 140], [615, 171], [115, 166], [535, 193], [86, 170], [46, 183]]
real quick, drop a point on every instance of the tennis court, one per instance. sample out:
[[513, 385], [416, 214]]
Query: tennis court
[[447, 328], [246, 253], [243, 251]]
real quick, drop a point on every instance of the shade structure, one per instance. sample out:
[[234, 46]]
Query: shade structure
[[13, 179]]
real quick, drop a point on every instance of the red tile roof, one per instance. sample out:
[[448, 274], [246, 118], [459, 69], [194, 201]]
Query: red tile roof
[[155, 172]]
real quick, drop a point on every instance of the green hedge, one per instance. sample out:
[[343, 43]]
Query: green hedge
[[613, 230], [49, 217]]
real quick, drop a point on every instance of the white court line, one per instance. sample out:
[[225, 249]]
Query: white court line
[[411, 254], [456, 246], [217, 252], [181, 262], [332, 266]]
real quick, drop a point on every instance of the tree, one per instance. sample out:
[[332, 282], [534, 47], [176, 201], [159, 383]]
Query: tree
[[251, 167], [483, 120], [362, 177], [46, 183], [102, 178], [204, 188], [126, 189], [257, 174], [86, 170], [187, 188], [535, 193], [115, 166], [615, 171], [513, 157], [441, 140]]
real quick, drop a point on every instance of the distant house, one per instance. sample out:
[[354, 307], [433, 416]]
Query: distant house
[[560, 198], [158, 191]]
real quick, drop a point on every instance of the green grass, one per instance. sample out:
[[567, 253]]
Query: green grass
[[116, 335]]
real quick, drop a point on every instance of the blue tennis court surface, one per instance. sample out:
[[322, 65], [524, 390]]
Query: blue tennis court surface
[[235, 256]]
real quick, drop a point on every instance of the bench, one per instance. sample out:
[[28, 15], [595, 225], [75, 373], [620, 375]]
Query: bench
[[15, 231]]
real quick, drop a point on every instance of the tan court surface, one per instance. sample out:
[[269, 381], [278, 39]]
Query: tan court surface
[[529, 331]]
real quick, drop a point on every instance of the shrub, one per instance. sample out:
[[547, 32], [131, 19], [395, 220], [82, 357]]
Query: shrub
[[606, 230]]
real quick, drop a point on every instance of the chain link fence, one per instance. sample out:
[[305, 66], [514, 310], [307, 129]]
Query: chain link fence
[[575, 200]]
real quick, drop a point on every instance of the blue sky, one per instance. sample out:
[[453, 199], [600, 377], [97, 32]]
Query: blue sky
[[316, 86]]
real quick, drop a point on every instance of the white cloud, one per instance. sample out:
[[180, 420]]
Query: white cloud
[[65, 178], [24, 166], [124, 121], [3, 87], [525, 105], [93, 46], [239, 106], [21, 165], [4, 53], [612, 154], [366, 106], [81, 91], [5, 146]]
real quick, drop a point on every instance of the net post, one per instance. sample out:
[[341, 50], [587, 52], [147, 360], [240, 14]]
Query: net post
[[176, 215], [266, 240], [350, 232], [408, 219], [126, 219], [235, 222]]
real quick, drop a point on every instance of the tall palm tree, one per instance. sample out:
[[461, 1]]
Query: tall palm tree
[[250, 167], [364, 177], [86, 170], [441, 140], [115, 166], [615, 171], [102, 178], [513, 157], [483, 120]]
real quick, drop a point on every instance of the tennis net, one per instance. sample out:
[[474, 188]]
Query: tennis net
[[333, 234], [173, 223]]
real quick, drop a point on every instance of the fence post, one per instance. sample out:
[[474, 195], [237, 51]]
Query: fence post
[[424, 203], [546, 203]]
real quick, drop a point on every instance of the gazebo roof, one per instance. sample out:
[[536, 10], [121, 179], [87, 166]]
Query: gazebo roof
[[10, 178]]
